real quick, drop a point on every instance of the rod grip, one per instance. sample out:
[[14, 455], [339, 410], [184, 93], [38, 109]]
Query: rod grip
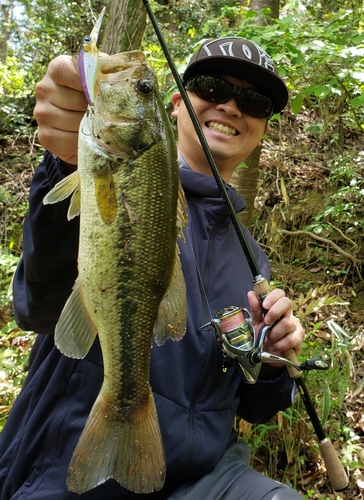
[[261, 288], [335, 470]]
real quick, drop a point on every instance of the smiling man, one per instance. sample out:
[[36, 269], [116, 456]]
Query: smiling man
[[234, 88]]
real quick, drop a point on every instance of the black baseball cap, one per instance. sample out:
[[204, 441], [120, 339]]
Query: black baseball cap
[[243, 59]]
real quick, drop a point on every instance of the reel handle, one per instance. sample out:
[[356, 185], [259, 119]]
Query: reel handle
[[291, 355]]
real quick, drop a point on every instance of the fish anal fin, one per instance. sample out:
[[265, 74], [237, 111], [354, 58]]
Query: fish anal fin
[[127, 448], [171, 321], [75, 331], [106, 196]]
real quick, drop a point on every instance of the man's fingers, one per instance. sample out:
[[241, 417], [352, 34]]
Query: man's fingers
[[52, 140], [59, 109], [63, 71]]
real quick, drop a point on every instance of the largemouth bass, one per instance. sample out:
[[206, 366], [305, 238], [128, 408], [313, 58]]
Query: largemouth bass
[[130, 281]]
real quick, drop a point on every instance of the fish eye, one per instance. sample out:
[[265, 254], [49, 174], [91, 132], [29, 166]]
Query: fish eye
[[145, 86]]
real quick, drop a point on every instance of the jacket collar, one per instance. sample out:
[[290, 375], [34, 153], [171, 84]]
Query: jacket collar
[[204, 186]]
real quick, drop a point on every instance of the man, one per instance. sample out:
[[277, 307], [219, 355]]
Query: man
[[234, 88]]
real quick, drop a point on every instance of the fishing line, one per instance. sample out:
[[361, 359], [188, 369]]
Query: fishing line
[[198, 272], [93, 16]]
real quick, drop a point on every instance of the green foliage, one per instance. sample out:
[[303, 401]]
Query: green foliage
[[48, 28], [344, 207], [14, 352], [16, 100], [12, 76], [14, 344]]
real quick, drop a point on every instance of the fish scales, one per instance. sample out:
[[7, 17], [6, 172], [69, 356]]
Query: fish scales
[[140, 250], [130, 279]]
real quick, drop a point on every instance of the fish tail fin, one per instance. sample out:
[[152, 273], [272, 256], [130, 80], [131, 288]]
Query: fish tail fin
[[128, 449]]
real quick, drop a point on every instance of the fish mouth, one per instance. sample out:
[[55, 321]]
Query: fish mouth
[[219, 127]]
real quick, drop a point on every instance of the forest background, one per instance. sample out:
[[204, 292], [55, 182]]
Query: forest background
[[304, 189]]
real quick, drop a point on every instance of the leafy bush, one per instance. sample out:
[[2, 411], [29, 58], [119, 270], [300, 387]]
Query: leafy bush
[[344, 208]]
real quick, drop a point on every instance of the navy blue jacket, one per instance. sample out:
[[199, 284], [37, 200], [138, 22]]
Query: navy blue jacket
[[196, 400]]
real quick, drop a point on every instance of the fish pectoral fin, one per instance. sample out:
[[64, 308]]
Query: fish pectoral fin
[[106, 197], [75, 332], [126, 446], [75, 204], [181, 212], [171, 321], [62, 190]]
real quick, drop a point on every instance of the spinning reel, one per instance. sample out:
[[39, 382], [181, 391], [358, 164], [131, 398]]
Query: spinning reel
[[236, 334]]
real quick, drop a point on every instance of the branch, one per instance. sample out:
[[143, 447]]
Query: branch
[[345, 92], [324, 240]]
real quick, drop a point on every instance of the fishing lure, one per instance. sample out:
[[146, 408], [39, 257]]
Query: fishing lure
[[89, 60]]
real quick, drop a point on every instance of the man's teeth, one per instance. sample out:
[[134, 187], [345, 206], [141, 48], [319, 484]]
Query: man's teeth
[[222, 128]]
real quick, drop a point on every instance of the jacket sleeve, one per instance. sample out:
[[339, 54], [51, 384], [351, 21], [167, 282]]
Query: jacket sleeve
[[48, 267], [259, 402]]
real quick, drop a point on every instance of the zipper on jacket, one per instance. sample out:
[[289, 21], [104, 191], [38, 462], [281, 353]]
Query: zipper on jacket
[[205, 279], [211, 348]]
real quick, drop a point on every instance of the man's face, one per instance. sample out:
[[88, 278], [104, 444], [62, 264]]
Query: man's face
[[231, 134]]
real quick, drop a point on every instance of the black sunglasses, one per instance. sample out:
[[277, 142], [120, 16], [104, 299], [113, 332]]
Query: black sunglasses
[[215, 89]]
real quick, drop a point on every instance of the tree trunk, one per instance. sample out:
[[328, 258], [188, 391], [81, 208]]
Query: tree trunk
[[6, 9], [259, 5], [245, 181], [125, 26]]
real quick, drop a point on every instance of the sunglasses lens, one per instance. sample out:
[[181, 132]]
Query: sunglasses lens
[[218, 90], [254, 104], [213, 89]]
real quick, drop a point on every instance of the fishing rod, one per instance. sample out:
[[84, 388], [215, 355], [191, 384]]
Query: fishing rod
[[248, 353]]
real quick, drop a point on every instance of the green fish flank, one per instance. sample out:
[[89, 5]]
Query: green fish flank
[[130, 280]]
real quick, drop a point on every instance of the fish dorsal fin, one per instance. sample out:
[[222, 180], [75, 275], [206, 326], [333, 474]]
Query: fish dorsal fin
[[106, 196], [181, 212], [171, 321], [75, 331], [68, 186]]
